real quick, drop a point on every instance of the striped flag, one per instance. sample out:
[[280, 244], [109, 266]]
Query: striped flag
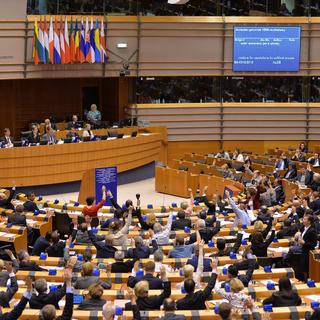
[[56, 49], [77, 43], [46, 41], [51, 41], [72, 43], [97, 43], [104, 57], [62, 48], [66, 41], [41, 49], [35, 43], [87, 42], [92, 43], [82, 55]]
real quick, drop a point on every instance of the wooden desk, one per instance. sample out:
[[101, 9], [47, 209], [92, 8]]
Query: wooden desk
[[39, 165]]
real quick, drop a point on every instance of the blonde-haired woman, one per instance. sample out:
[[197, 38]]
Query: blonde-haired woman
[[93, 300], [236, 297]]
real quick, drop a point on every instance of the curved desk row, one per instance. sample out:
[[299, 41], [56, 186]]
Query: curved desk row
[[40, 165]]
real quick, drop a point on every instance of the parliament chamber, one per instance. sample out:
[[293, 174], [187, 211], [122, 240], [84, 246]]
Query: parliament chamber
[[159, 159]]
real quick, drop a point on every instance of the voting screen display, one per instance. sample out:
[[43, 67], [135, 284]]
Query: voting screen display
[[266, 49]]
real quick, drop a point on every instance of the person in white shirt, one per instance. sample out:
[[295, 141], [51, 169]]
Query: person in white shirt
[[87, 132], [158, 259], [238, 156], [161, 234]]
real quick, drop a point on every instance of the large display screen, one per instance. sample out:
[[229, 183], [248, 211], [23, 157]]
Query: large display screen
[[266, 48]]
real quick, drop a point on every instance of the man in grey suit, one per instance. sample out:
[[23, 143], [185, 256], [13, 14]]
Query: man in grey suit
[[87, 278]]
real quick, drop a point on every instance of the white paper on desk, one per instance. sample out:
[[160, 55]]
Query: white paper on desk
[[277, 215], [314, 297], [50, 267], [112, 138], [228, 207], [144, 134], [161, 214], [20, 282], [120, 303], [245, 235], [2, 234], [288, 210], [217, 302], [9, 235], [224, 223], [279, 249], [30, 221], [126, 136]]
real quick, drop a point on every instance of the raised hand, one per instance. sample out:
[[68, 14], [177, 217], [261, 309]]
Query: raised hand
[[8, 267], [163, 273], [109, 193]]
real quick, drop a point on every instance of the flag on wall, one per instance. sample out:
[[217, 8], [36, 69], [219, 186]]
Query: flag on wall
[[62, 48], [66, 42], [82, 43], [51, 42], [103, 47], [97, 42], [77, 43], [55, 43], [72, 43], [46, 41]]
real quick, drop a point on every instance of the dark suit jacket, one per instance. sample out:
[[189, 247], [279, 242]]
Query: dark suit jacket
[[286, 163], [308, 178], [91, 304], [68, 308], [84, 282], [30, 206], [310, 239], [33, 139], [143, 224], [227, 251], [17, 311], [123, 266], [42, 299], [30, 266], [196, 300], [260, 250], [18, 219], [206, 234], [211, 206], [152, 302], [206, 263], [154, 282], [39, 246], [6, 296], [4, 277], [283, 299], [280, 196], [287, 232], [5, 139], [179, 224], [290, 174], [56, 250], [6, 203], [141, 252], [103, 250]]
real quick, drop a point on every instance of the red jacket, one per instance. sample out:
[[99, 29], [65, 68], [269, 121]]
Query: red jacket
[[93, 210]]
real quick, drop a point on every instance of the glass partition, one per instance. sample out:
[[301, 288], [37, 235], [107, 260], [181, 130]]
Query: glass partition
[[192, 8]]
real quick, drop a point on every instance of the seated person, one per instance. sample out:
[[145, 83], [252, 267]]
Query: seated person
[[42, 297], [121, 266], [49, 136], [233, 271], [180, 249], [227, 312], [25, 264], [87, 279], [87, 132], [158, 260], [195, 300], [285, 297], [30, 205], [288, 229], [105, 248], [12, 288], [18, 218], [149, 270], [188, 270], [94, 116], [48, 312], [56, 247], [205, 233], [237, 298], [93, 300], [92, 209], [169, 307], [146, 302], [140, 250], [181, 222], [7, 139], [5, 201], [34, 136], [117, 215], [82, 236], [74, 123], [225, 251], [73, 135], [206, 262], [48, 122], [41, 244], [162, 233], [209, 221]]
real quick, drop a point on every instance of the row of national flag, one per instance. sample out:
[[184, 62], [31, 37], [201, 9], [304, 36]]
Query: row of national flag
[[57, 42]]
